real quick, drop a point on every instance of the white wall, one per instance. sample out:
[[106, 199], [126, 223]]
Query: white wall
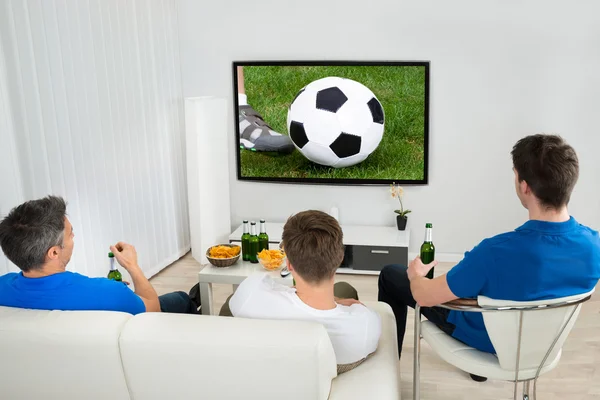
[[500, 70], [91, 109]]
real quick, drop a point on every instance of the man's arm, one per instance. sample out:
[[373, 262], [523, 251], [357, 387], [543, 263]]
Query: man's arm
[[431, 292], [127, 257], [428, 292]]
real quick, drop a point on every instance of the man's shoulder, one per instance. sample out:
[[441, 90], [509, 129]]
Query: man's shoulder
[[97, 283], [252, 291], [79, 279], [499, 240], [256, 277], [9, 277], [587, 231]]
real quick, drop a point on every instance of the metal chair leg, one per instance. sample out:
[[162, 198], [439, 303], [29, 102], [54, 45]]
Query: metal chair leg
[[526, 390], [417, 356]]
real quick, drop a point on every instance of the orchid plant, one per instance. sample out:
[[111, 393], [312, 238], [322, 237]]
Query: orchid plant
[[398, 192]]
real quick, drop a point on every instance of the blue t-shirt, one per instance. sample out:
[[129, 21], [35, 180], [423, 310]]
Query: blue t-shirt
[[539, 260], [68, 291]]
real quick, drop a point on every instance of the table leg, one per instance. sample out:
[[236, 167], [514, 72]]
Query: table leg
[[206, 297]]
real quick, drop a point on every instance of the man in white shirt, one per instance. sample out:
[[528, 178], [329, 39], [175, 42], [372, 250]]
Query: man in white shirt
[[314, 250]]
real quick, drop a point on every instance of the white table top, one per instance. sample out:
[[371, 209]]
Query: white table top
[[356, 235], [236, 274]]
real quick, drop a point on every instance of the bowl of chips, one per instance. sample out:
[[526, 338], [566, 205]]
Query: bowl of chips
[[223, 255], [271, 260]]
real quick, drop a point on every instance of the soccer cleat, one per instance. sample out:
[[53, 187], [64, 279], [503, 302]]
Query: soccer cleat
[[256, 135]]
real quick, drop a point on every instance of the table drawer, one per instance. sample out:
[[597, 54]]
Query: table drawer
[[374, 258]]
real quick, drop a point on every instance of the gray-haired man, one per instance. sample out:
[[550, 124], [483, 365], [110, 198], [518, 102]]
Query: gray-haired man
[[38, 237]]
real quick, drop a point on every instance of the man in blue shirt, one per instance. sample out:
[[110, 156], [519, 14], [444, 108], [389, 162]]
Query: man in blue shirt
[[549, 256], [38, 237]]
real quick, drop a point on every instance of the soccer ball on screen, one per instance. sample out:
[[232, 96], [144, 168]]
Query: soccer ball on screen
[[336, 122]]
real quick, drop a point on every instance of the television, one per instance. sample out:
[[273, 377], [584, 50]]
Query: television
[[332, 122]]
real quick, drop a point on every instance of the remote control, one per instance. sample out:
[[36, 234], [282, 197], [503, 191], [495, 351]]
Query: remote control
[[285, 272]]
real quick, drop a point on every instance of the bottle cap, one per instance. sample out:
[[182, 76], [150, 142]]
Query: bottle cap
[[253, 223], [429, 225], [111, 255], [245, 221], [262, 220]]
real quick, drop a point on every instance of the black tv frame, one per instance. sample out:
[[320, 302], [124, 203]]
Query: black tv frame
[[328, 181]]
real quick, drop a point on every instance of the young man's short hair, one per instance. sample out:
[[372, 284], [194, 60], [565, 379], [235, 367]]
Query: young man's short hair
[[313, 244], [549, 166]]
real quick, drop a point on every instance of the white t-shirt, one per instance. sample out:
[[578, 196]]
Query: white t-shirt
[[354, 331]]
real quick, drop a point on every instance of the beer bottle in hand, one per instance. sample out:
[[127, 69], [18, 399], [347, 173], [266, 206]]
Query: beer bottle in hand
[[253, 248], [246, 243], [114, 273], [427, 248], [263, 238]]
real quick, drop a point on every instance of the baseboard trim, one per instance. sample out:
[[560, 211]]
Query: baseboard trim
[[168, 261]]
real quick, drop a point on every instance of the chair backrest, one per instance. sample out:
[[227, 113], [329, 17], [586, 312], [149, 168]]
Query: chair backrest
[[61, 355], [541, 327]]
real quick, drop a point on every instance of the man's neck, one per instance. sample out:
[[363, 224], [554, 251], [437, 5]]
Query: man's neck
[[319, 297], [540, 214], [46, 270]]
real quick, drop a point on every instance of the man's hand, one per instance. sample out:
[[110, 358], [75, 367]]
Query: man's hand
[[126, 255], [416, 268], [347, 302]]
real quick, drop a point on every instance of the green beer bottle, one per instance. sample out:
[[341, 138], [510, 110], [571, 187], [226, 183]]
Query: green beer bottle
[[113, 274], [246, 243], [253, 244], [263, 238], [428, 249]]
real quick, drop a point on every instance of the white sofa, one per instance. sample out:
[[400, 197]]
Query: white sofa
[[109, 355]]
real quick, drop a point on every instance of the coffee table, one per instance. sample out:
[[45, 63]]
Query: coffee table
[[233, 275]]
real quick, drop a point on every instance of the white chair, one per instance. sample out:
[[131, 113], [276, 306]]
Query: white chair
[[527, 336]]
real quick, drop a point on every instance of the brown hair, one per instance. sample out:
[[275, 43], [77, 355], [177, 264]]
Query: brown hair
[[549, 166], [312, 241]]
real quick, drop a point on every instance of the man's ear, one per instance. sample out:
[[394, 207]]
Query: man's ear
[[53, 253], [289, 265], [525, 189]]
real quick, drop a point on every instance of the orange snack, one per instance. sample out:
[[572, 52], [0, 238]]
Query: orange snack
[[224, 251], [271, 259]]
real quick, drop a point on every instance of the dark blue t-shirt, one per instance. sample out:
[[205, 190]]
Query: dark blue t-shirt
[[68, 291], [539, 260]]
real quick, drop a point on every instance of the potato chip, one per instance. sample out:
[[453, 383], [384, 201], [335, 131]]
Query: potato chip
[[271, 259], [224, 251]]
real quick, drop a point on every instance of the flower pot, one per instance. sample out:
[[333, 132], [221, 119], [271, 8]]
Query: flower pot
[[401, 222]]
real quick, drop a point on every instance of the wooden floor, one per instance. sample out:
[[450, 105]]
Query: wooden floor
[[577, 376]]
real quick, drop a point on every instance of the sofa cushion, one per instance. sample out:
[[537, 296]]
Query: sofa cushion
[[61, 355], [174, 356]]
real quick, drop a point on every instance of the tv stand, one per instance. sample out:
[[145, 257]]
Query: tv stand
[[367, 248]]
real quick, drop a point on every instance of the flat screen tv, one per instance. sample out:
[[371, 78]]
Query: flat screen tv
[[338, 122]]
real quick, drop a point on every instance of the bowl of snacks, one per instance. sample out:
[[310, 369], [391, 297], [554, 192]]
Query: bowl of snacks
[[271, 260], [223, 255]]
